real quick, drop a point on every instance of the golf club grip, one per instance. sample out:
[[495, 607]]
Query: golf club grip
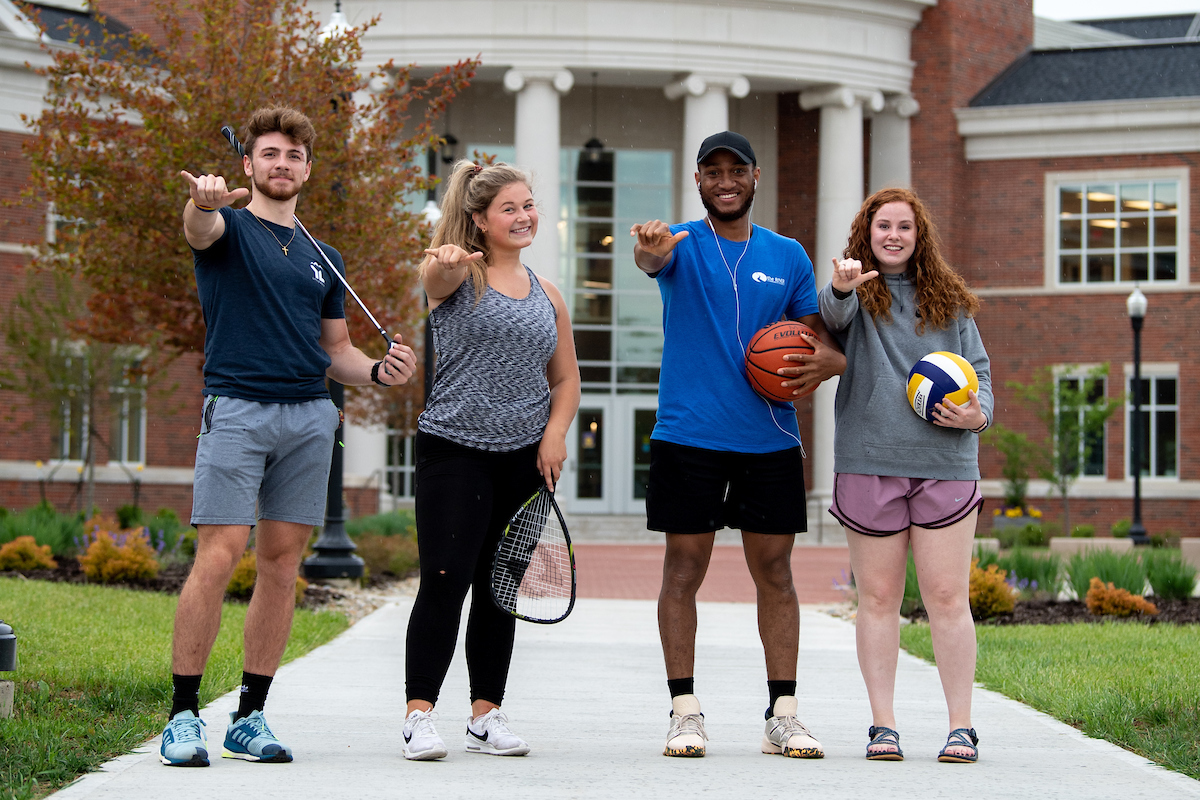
[[227, 132]]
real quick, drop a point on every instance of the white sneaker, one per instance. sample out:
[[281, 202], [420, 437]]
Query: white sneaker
[[489, 734], [421, 740], [686, 736], [787, 735]]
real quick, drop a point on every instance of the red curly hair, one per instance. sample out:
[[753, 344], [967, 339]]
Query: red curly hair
[[941, 292]]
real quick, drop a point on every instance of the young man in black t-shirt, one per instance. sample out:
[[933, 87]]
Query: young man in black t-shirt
[[275, 329]]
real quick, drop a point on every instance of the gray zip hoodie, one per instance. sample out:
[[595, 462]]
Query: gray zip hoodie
[[877, 432]]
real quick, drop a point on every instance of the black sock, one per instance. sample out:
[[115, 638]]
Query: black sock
[[185, 694], [678, 686], [778, 689], [254, 693]]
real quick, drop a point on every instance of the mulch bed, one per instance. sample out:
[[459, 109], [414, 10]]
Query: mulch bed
[[170, 580], [1056, 612]]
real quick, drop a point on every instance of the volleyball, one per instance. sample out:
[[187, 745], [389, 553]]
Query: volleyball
[[940, 375]]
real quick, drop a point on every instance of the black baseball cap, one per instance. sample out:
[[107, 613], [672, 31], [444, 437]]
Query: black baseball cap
[[727, 140]]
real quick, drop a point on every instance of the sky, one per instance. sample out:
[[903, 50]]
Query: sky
[[1102, 9]]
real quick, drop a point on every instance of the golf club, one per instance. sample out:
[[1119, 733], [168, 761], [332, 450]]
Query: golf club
[[228, 133]]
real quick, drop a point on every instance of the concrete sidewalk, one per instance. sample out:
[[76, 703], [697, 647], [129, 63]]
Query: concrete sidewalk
[[590, 696]]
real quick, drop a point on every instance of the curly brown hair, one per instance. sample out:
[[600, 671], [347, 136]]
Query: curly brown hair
[[941, 292]]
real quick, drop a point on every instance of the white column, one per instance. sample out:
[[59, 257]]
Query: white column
[[538, 143], [891, 153], [839, 195], [705, 112]]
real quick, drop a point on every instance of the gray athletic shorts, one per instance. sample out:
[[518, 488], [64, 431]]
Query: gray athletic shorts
[[274, 456]]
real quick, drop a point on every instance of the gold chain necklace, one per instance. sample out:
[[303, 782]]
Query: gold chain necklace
[[282, 246]]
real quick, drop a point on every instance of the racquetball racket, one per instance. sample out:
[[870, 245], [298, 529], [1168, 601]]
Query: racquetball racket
[[533, 573]]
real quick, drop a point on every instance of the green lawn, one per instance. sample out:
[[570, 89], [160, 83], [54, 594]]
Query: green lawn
[[93, 678], [1132, 684]]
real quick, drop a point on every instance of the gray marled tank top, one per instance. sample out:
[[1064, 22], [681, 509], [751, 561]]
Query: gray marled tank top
[[490, 390]]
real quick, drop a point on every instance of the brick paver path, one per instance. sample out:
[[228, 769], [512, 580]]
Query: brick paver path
[[634, 572]]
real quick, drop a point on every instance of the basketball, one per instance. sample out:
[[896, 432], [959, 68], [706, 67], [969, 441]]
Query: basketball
[[940, 376], [765, 355]]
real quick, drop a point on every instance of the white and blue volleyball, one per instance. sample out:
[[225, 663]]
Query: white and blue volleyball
[[937, 376]]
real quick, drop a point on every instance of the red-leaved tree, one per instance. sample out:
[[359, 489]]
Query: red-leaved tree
[[124, 114]]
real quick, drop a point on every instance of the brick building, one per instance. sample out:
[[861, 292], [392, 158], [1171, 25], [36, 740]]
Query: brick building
[[1055, 157]]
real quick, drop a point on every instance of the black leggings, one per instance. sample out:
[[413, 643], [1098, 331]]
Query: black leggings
[[465, 497]]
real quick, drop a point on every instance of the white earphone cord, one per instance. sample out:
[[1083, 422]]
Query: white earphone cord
[[738, 311]]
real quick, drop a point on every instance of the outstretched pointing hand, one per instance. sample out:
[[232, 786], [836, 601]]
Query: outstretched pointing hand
[[655, 238], [848, 274], [210, 190]]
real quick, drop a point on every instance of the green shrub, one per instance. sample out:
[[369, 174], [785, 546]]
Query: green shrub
[[986, 557], [1124, 570], [1083, 532], [1169, 575], [393, 523], [1033, 574], [167, 536], [62, 532], [129, 516], [24, 554], [1007, 536], [405, 560], [1120, 528], [244, 576], [1032, 535], [912, 590]]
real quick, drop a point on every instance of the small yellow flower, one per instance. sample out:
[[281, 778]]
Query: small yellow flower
[[1033, 512], [79, 469], [38, 463], [139, 467], [996, 513], [1013, 512]]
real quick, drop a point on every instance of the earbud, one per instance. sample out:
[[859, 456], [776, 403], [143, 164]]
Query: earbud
[[756, 184]]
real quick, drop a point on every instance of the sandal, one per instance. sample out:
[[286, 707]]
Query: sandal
[[885, 736], [960, 737]]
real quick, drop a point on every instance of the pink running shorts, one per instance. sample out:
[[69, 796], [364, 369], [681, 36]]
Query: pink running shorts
[[878, 505]]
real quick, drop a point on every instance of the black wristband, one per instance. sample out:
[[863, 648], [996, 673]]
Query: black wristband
[[375, 374], [839, 294]]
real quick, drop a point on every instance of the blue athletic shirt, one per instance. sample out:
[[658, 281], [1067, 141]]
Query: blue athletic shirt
[[263, 311], [704, 397]]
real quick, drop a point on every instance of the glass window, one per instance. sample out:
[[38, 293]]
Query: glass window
[[1071, 423], [1113, 232], [128, 395], [1158, 424], [400, 465], [616, 310]]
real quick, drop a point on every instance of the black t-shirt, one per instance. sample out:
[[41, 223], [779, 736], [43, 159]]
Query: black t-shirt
[[263, 311]]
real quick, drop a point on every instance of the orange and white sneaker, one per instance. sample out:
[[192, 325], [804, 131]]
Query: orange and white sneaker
[[787, 736], [686, 737]]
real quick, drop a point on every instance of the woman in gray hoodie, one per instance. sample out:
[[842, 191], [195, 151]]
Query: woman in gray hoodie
[[900, 480]]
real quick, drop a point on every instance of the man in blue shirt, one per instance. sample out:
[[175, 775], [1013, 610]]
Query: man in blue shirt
[[721, 455], [275, 328]]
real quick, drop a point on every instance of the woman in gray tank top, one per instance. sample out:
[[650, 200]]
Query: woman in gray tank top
[[494, 429]]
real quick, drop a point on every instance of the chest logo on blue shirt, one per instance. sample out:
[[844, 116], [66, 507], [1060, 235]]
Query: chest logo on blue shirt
[[762, 277], [318, 276]]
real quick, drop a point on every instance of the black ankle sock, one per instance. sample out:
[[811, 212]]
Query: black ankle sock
[[185, 694], [254, 693], [778, 689], [678, 686]]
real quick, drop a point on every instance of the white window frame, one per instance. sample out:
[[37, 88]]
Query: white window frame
[[118, 451], [1054, 180], [1149, 371], [1080, 372], [71, 351], [406, 471]]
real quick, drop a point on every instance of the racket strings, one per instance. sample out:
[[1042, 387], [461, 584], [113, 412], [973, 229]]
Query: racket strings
[[533, 575]]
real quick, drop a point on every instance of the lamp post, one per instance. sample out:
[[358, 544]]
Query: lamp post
[[333, 553], [1136, 306]]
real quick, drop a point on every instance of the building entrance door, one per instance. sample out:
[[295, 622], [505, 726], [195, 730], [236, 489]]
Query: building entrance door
[[608, 455]]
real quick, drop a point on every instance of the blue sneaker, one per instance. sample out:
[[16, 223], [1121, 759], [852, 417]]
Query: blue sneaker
[[184, 742], [250, 739]]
